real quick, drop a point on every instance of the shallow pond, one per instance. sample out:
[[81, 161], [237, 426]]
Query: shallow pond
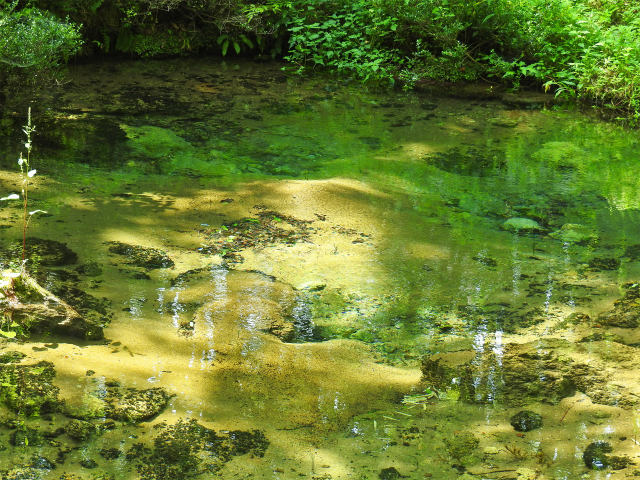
[[307, 279]]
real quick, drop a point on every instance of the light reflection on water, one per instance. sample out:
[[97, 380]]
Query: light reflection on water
[[436, 245]]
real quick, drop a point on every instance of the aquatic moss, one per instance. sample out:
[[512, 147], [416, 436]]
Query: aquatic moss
[[149, 142], [29, 389], [266, 229], [131, 405], [149, 258], [186, 449]]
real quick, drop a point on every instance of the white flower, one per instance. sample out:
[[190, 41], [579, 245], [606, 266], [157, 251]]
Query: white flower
[[13, 196], [31, 173]]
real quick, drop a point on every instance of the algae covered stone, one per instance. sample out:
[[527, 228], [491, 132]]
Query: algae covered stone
[[522, 374], [29, 389], [462, 445], [575, 233], [626, 310], [526, 420], [522, 225], [135, 406], [79, 429], [150, 258], [186, 448]]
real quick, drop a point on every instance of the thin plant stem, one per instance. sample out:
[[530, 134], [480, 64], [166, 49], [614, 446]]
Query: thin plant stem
[[25, 169]]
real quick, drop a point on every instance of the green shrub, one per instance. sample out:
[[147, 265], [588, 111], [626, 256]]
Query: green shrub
[[35, 43]]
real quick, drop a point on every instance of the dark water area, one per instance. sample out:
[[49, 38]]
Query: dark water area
[[304, 278]]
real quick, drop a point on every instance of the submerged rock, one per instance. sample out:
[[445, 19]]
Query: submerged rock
[[255, 302], [599, 263], [462, 445], [522, 225], [135, 406], [43, 252], [632, 252], [575, 233], [390, 474], [626, 311], [518, 375], [38, 310], [526, 420], [29, 389], [468, 161], [79, 429], [150, 258], [187, 448], [26, 436], [562, 155]]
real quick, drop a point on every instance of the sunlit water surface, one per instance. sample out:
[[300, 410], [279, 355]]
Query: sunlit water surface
[[390, 245]]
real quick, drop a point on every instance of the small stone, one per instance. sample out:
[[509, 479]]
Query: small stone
[[521, 225], [79, 429], [110, 453], [462, 445], [88, 463], [41, 463], [526, 420], [575, 233], [390, 474]]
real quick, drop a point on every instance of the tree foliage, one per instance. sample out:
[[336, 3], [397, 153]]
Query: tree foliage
[[34, 41], [585, 49]]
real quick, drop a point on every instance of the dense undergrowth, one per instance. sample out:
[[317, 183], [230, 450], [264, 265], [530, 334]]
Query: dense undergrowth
[[583, 49]]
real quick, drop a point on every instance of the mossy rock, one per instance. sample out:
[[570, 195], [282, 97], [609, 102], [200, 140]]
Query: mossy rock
[[38, 312], [626, 310], [462, 445], [187, 448], [29, 389], [135, 406], [26, 436], [149, 258], [575, 233], [525, 421], [523, 374], [11, 357], [79, 429], [596, 457], [522, 225]]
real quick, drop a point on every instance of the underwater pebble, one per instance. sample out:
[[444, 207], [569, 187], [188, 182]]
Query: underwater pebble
[[526, 420]]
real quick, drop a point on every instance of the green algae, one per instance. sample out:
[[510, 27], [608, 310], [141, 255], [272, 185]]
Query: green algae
[[29, 389], [452, 183], [187, 449]]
